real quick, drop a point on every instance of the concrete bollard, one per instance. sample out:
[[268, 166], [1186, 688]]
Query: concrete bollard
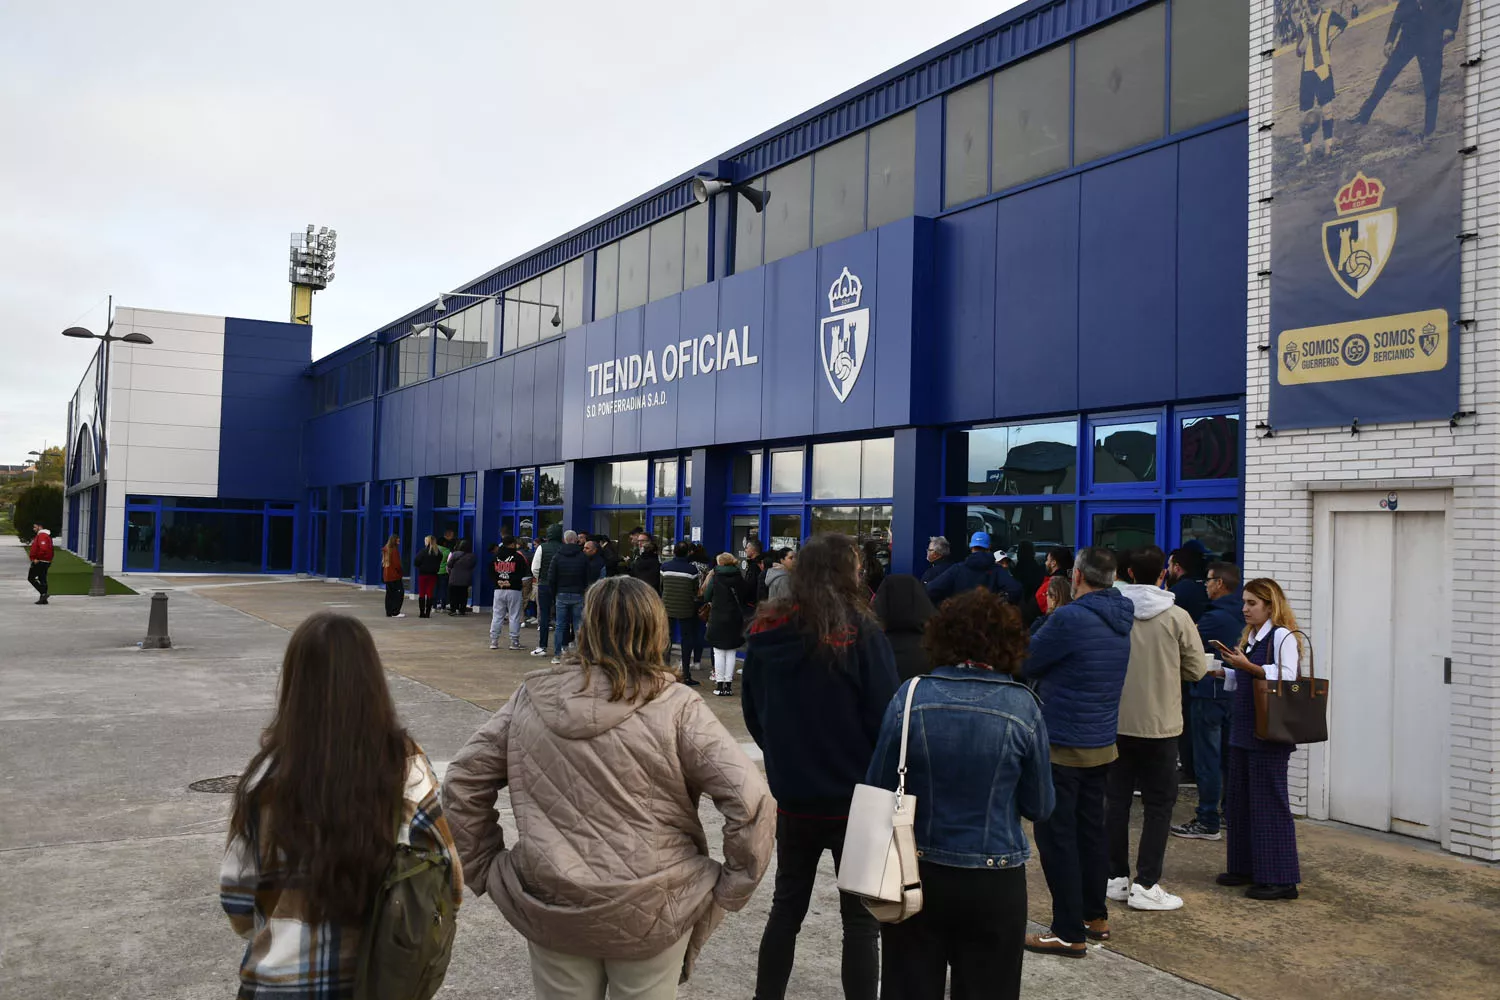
[[156, 629]]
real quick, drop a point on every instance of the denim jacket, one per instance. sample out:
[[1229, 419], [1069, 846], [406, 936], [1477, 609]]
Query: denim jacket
[[976, 760]]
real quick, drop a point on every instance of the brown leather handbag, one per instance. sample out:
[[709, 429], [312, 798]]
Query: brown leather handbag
[[1292, 711]]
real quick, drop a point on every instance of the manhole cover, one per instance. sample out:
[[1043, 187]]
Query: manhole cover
[[222, 785]]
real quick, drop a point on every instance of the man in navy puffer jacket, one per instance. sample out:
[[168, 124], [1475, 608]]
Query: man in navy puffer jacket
[[1079, 659]]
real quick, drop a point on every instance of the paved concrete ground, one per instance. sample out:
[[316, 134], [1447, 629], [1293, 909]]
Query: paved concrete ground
[[110, 864]]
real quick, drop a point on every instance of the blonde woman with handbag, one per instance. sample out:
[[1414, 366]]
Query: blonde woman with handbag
[[977, 762]]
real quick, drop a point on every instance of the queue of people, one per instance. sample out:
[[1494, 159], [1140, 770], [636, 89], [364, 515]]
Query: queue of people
[[986, 720]]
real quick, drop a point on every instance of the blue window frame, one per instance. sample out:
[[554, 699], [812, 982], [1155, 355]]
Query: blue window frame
[[453, 501], [208, 535], [397, 502], [531, 501], [652, 493]]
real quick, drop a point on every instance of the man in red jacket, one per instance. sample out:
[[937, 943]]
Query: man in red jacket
[[41, 561]]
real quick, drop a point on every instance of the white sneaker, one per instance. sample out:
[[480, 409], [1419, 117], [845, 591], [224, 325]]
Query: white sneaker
[[557, 659], [1118, 889], [539, 651], [1154, 898], [399, 615], [494, 644]]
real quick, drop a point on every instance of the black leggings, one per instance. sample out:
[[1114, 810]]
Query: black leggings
[[973, 921], [458, 599], [394, 595]]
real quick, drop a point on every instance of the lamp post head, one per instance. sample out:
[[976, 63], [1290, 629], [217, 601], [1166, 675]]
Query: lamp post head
[[137, 338], [81, 332]]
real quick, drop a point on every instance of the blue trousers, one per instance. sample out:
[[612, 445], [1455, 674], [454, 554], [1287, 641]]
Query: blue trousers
[[1210, 717], [690, 638], [568, 608]]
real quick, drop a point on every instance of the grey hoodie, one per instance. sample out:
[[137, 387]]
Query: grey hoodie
[[1164, 651], [778, 583]]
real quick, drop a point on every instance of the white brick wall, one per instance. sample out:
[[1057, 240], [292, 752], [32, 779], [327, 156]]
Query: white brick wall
[[1281, 472]]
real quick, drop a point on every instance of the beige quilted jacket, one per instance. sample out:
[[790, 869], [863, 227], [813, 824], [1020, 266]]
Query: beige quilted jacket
[[611, 861]]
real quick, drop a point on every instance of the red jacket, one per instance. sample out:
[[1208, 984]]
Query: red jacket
[[41, 547]]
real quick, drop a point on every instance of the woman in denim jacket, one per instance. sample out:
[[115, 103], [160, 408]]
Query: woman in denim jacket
[[977, 762]]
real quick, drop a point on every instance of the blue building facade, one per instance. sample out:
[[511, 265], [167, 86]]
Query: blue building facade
[[1001, 286]]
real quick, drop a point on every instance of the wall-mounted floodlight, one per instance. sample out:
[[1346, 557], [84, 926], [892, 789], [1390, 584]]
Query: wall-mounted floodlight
[[442, 305], [705, 188]]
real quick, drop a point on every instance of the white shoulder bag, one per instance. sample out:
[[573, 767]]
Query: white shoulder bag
[[880, 844]]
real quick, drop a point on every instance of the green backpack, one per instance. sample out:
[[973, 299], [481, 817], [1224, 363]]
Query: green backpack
[[408, 940]]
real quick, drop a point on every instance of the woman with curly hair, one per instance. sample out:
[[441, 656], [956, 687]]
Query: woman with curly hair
[[977, 762]]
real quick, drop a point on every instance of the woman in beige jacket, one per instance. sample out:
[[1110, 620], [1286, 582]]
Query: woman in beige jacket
[[610, 879]]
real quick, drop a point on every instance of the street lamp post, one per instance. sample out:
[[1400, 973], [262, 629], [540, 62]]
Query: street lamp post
[[96, 588], [34, 463]]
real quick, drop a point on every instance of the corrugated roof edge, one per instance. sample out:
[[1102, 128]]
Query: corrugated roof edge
[[1018, 32]]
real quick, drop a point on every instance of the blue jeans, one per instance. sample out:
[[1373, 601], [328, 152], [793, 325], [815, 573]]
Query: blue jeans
[[543, 615], [690, 638], [1210, 754], [568, 606]]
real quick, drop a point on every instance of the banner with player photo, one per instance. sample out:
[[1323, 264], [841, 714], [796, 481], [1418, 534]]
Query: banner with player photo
[[1366, 175]]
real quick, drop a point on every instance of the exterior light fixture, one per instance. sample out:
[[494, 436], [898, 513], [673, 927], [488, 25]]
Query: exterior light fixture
[[705, 188], [441, 306]]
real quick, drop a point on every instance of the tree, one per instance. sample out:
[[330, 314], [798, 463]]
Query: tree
[[41, 504]]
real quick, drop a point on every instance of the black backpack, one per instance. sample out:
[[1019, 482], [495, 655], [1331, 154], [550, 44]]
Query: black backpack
[[408, 940]]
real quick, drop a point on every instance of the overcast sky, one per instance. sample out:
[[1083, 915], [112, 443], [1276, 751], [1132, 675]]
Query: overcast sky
[[164, 150]]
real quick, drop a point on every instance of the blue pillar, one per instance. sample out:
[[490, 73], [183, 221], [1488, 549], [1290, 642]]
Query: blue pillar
[[578, 496], [917, 514], [928, 188], [421, 515], [487, 528], [710, 487], [373, 537]]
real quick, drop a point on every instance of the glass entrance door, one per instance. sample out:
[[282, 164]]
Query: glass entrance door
[[743, 526], [785, 529]]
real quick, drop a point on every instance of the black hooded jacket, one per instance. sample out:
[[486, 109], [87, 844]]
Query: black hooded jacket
[[903, 607]]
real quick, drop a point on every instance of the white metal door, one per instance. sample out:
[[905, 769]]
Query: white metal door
[[1390, 637]]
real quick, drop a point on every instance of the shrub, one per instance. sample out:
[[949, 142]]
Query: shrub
[[41, 504]]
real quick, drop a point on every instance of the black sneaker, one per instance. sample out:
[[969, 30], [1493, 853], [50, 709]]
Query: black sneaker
[[41, 600], [1231, 879], [1261, 891], [1196, 830], [688, 680]]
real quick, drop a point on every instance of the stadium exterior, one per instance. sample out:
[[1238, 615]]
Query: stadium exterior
[[1016, 283]]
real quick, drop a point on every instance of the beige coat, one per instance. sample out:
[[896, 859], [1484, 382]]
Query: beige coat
[[611, 861], [1165, 650]]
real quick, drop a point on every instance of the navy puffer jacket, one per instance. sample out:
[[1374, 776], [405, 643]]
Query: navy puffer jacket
[[1079, 658]]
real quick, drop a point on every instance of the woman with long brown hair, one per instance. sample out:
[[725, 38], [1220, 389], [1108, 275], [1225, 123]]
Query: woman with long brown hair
[[819, 673], [610, 879], [1261, 836], [336, 785], [390, 574]]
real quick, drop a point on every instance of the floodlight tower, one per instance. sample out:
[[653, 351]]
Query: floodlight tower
[[311, 268]]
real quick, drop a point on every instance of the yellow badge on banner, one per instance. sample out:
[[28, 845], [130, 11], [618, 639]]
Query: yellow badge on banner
[[1365, 348]]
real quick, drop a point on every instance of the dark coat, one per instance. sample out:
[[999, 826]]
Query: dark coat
[[568, 573], [816, 711], [1224, 621], [679, 588], [647, 569], [509, 569], [1079, 658], [549, 552], [461, 569], [726, 620], [979, 570], [426, 562], [937, 569], [754, 570], [903, 607], [1191, 595]]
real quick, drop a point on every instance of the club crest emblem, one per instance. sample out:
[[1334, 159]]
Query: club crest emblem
[[1358, 244], [844, 337], [1428, 341], [1289, 357]]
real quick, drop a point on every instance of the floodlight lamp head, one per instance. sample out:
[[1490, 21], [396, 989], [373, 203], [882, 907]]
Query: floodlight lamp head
[[136, 338], [78, 331], [442, 304], [705, 188]]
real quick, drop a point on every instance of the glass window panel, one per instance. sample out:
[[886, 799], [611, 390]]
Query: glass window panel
[[351, 497], [470, 486], [877, 467], [531, 314], [893, 170], [545, 519], [835, 471], [606, 280], [742, 528], [875, 526], [1124, 531], [664, 532], [745, 474], [786, 531], [1120, 85], [408, 360], [749, 231], [788, 209], [551, 295], [635, 267], [445, 491], [1046, 525], [1210, 447], [835, 520], [510, 322], [281, 537], [1208, 60], [1025, 460], [359, 379], [687, 477], [838, 204], [966, 146], [786, 471], [1031, 131], [666, 256], [620, 482], [508, 487], [616, 525], [140, 540], [666, 480], [695, 246], [468, 343], [528, 487], [573, 294], [409, 493], [550, 492], [1125, 453], [1219, 534], [211, 541]]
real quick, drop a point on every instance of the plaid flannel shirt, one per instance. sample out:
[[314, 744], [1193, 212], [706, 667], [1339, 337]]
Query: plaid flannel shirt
[[288, 957]]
